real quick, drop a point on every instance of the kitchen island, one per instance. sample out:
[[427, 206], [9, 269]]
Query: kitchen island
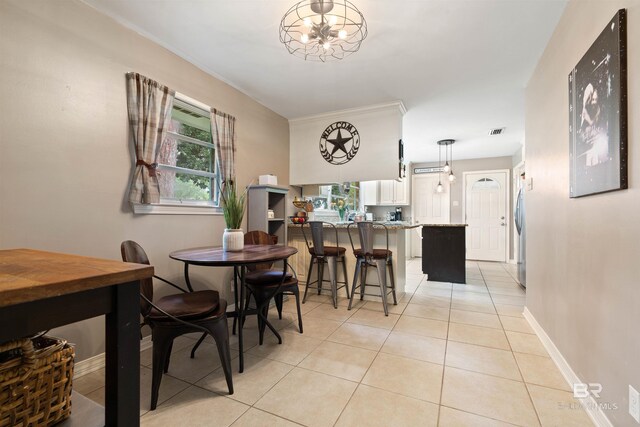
[[397, 244]]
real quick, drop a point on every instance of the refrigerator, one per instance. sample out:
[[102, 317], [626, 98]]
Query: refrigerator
[[519, 216]]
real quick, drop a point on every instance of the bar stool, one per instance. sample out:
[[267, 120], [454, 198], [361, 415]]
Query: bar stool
[[367, 256], [322, 254]]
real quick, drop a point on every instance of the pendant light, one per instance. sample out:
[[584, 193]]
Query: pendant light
[[448, 153], [439, 187]]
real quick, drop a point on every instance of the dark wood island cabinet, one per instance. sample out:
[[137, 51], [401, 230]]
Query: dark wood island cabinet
[[443, 252]]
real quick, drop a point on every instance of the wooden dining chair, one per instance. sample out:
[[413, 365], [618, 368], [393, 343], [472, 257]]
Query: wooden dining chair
[[178, 314], [265, 283]]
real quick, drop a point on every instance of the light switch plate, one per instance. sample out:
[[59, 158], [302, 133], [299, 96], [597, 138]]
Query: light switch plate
[[455, 203], [529, 184], [634, 403]]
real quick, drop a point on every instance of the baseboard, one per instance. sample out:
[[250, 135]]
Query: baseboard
[[97, 362], [590, 404]]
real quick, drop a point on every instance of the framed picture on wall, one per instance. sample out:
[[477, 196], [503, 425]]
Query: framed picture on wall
[[598, 114]]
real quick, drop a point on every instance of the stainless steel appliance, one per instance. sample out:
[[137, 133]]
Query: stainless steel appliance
[[520, 227]]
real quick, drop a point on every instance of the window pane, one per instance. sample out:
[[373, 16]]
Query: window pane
[[181, 186], [189, 124], [186, 155]]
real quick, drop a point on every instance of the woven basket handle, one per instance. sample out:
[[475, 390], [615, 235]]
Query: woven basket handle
[[28, 354]]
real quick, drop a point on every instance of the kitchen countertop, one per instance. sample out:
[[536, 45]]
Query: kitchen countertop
[[391, 225]]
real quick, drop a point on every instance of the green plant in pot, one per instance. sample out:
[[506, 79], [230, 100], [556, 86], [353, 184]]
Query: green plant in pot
[[233, 208]]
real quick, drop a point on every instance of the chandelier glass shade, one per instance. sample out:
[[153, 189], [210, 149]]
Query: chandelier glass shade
[[448, 156], [323, 30]]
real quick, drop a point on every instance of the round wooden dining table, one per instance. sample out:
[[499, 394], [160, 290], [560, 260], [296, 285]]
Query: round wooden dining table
[[215, 256]]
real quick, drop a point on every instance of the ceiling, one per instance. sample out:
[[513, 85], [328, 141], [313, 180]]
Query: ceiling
[[459, 67]]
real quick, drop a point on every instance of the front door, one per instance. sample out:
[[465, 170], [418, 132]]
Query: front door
[[486, 215], [429, 207]]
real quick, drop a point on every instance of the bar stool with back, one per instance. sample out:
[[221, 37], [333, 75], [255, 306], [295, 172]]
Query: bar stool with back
[[322, 254], [367, 256]]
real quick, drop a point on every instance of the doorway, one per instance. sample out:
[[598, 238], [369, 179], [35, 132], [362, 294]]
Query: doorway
[[486, 198], [428, 206]]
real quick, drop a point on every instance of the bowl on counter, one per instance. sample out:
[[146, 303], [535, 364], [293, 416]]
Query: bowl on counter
[[298, 219]]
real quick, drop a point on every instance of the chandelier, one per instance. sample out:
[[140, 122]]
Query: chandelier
[[323, 30]]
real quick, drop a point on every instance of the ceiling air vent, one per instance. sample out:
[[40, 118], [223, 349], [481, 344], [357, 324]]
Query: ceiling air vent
[[496, 131]]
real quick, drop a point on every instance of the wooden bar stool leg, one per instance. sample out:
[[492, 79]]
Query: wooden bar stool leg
[[355, 281], [392, 280], [381, 266]]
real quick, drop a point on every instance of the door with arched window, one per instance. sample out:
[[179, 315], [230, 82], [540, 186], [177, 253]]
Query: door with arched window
[[486, 195]]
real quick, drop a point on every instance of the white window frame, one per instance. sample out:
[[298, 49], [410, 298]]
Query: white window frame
[[185, 207]]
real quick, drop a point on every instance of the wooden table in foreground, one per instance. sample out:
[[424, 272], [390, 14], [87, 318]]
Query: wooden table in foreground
[[215, 256], [43, 290]]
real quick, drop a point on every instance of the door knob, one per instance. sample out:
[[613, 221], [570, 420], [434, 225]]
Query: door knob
[[502, 217], [503, 224]]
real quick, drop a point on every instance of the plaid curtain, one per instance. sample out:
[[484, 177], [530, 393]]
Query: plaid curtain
[[224, 138], [149, 105]]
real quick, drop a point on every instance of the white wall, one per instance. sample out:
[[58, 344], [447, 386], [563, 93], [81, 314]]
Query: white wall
[[380, 129], [583, 254], [65, 156]]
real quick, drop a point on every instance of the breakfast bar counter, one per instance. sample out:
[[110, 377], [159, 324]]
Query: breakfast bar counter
[[397, 244]]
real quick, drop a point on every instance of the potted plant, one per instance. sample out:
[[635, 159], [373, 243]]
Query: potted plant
[[233, 208]]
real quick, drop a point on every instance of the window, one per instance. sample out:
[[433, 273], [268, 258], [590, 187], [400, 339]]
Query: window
[[186, 162], [348, 191]]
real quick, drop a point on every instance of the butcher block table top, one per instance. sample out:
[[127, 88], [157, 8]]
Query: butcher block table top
[[28, 275]]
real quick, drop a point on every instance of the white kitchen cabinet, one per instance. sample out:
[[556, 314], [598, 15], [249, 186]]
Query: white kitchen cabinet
[[393, 192], [369, 192]]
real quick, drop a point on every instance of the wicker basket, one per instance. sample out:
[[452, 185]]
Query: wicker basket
[[35, 382]]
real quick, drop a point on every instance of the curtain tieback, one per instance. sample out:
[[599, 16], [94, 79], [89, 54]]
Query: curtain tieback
[[150, 166]]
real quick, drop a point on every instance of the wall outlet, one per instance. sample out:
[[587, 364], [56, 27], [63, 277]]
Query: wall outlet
[[634, 403]]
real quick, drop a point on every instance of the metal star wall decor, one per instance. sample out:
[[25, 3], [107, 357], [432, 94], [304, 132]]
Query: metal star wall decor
[[339, 143]]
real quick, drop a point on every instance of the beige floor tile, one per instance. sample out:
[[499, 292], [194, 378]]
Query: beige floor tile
[[314, 327], [433, 292], [180, 343], [89, 382], [308, 398], [361, 336], [516, 324], [508, 299], [489, 396], [195, 407], [475, 281], [475, 318], [453, 418], [431, 301], [558, 408], [339, 360], [293, 349], [509, 310], [249, 339], [258, 377], [326, 311], [470, 298], [257, 418], [478, 335], [485, 360], [206, 360], [436, 285], [427, 312], [373, 407], [515, 290], [377, 306], [478, 288], [290, 306], [480, 307], [526, 343], [541, 371], [409, 377], [374, 318], [415, 347], [422, 326]]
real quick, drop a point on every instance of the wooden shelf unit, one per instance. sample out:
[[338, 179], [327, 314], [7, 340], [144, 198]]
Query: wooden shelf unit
[[261, 198]]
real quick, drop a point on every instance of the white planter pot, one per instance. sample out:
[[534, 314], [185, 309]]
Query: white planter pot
[[232, 239]]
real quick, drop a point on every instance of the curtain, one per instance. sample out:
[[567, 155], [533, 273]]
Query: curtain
[[224, 137], [149, 105]]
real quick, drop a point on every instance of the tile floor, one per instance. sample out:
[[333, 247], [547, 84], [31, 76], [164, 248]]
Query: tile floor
[[447, 355]]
